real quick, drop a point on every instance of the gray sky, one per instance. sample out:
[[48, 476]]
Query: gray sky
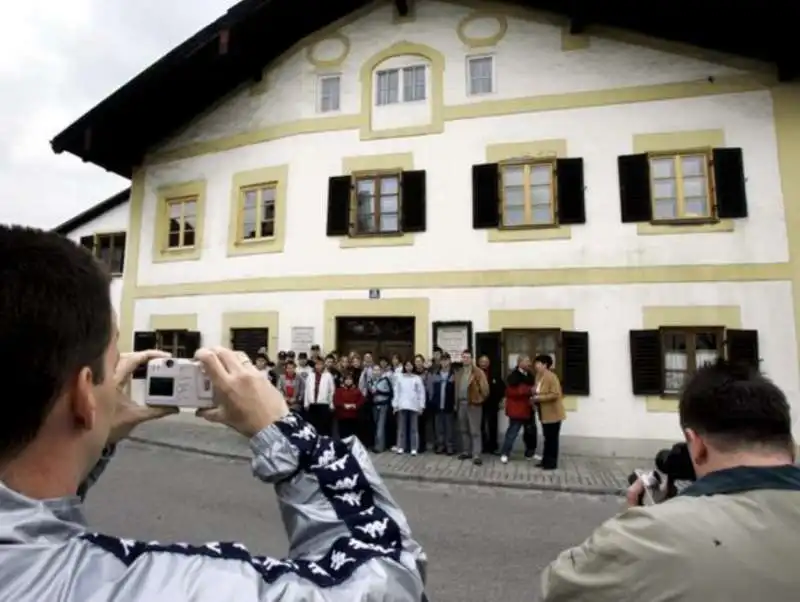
[[58, 58]]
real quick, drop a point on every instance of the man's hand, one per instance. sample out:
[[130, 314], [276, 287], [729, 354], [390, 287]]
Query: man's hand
[[128, 362], [634, 493], [246, 401]]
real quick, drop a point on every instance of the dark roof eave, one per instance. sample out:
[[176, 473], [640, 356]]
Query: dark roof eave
[[93, 212]]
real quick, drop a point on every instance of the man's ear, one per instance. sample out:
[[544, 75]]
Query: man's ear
[[698, 450], [83, 403]]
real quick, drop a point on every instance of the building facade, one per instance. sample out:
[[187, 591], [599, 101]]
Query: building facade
[[482, 179]]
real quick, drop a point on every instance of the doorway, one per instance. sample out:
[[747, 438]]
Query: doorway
[[381, 336]]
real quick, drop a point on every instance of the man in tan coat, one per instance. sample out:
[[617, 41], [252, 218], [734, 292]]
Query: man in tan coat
[[732, 536], [472, 388], [547, 396]]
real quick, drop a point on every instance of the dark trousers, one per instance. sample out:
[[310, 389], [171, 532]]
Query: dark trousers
[[551, 433], [489, 426], [366, 430], [528, 429], [348, 427], [426, 429], [321, 418]]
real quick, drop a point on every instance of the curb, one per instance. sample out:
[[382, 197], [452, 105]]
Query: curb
[[420, 478]]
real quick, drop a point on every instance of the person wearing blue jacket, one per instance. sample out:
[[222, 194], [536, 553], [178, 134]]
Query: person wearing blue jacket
[[442, 405]]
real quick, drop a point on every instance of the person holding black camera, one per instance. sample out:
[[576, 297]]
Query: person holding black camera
[[729, 536], [64, 412]]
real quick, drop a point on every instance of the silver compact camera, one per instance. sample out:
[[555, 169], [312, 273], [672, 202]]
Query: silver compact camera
[[177, 382]]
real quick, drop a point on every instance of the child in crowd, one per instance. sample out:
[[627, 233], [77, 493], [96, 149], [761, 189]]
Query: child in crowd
[[346, 402]]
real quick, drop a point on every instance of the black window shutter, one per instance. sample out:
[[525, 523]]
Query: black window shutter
[[190, 340], [88, 242], [634, 188], [575, 363], [142, 341], [339, 188], [413, 203], [570, 189], [729, 182], [490, 344], [742, 346], [485, 196], [646, 362]]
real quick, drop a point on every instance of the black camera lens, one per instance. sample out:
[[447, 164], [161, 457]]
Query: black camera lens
[[169, 363]]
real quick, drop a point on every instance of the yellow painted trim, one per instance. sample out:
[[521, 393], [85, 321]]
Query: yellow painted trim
[[654, 317], [486, 41], [571, 42], [414, 307], [161, 253], [672, 141], [585, 276], [130, 275], [367, 163], [328, 63], [279, 174], [411, 17], [786, 112], [474, 110], [252, 319], [534, 149], [562, 319], [173, 321], [435, 94]]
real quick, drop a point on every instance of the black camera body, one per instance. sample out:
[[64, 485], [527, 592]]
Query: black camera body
[[671, 465]]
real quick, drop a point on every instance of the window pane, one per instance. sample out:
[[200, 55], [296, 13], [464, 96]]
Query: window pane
[[174, 240], [694, 187], [675, 341], [513, 176], [388, 87], [518, 343], [414, 83], [514, 196], [365, 222], [663, 167], [250, 197], [389, 185], [174, 211], [389, 203], [665, 209], [664, 189], [268, 193], [189, 209], [329, 93], [696, 207], [249, 220], [188, 234], [540, 195], [365, 187], [267, 228], [541, 215], [513, 216], [365, 204], [540, 175], [389, 222], [117, 259], [693, 165], [480, 75]]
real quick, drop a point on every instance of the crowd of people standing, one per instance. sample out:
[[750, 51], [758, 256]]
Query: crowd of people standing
[[424, 404]]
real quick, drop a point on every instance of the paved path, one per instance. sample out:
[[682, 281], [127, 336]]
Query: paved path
[[483, 544], [577, 474]]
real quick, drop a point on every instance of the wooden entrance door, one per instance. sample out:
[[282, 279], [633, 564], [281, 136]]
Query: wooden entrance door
[[381, 336]]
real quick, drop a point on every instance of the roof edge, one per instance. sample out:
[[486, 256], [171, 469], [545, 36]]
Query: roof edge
[[93, 212]]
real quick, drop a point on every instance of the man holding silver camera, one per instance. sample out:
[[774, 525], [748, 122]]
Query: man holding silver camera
[[730, 536], [65, 412]]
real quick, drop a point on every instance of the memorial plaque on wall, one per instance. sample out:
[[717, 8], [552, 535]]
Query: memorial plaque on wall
[[302, 338], [453, 338]]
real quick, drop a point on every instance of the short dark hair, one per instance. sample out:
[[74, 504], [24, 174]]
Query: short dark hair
[[737, 406], [545, 359], [55, 319]]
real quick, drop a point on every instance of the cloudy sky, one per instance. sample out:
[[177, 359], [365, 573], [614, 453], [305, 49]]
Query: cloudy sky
[[58, 58]]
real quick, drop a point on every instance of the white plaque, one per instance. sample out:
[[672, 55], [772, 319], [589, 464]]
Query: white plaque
[[453, 340], [302, 338]]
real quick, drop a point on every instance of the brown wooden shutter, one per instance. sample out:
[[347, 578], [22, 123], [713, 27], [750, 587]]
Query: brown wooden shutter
[[634, 188], [413, 201], [485, 196], [190, 340], [729, 183], [647, 370], [575, 363], [742, 347], [339, 189], [490, 344], [570, 190], [142, 341]]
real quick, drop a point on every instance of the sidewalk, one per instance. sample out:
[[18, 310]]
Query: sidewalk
[[576, 474]]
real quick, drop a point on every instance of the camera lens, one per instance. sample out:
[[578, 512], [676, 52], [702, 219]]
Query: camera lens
[[169, 363]]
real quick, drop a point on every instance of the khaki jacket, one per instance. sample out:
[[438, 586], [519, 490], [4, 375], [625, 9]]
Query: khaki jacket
[[550, 398], [730, 537], [478, 388]]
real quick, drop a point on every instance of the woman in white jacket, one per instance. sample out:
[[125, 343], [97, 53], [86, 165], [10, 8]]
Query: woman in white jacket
[[408, 404]]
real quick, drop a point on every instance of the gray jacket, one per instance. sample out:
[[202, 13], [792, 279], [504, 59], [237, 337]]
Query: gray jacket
[[348, 540]]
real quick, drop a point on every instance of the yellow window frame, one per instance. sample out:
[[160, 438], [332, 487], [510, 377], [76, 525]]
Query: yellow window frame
[[182, 201], [376, 176], [527, 166], [259, 188], [680, 196]]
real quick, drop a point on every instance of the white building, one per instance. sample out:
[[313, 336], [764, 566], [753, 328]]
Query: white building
[[465, 177]]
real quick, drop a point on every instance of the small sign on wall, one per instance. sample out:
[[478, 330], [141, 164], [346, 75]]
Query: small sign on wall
[[302, 338], [453, 338], [374, 293]]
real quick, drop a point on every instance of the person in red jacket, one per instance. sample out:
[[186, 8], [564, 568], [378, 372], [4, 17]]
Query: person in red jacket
[[519, 407], [347, 401]]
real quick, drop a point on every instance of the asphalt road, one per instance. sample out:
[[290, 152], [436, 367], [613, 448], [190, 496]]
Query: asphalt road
[[484, 545]]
